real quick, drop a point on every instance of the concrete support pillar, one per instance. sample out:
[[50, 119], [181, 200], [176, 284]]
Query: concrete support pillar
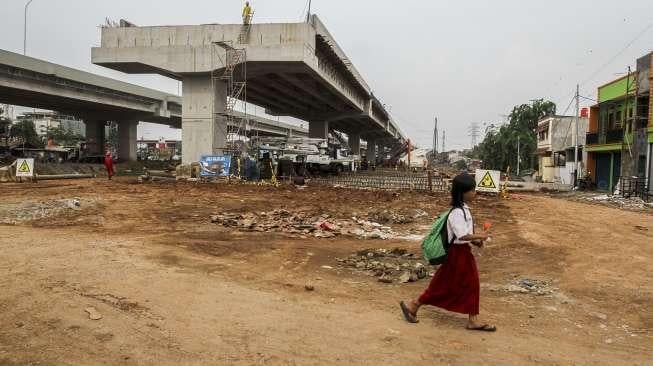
[[371, 151], [127, 140], [201, 133], [95, 137], [318, 129], [355, 143]]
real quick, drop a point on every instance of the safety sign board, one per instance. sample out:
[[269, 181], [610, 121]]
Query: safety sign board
[[215, 166], [488, 181], [25, 167]]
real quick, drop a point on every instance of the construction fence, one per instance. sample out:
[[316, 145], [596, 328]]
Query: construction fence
[[387, 180]]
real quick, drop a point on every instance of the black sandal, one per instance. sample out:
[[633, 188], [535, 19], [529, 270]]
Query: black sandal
[[484, 328], [410, 317]]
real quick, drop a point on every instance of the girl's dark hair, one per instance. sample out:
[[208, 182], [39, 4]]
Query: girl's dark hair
[[461, 184]]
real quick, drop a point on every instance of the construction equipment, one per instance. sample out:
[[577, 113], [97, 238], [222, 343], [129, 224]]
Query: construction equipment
[[307, 154]]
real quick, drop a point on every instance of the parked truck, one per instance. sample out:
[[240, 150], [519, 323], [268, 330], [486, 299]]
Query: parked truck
[[313, 155]]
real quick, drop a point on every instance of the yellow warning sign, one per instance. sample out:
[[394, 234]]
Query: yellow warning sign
[[24, 167], [487, 182]]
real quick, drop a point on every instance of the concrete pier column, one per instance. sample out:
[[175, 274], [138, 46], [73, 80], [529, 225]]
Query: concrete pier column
[[355, 143], [371, 151], [201, 133], [127, 140], [318, 129], [95, 137]]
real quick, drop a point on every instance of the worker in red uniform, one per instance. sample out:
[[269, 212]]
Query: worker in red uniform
[[108, 163]]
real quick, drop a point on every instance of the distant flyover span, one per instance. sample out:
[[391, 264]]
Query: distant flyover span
[[31, 82]]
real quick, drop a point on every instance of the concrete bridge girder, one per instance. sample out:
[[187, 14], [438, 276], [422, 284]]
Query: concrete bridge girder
[[293, 69]]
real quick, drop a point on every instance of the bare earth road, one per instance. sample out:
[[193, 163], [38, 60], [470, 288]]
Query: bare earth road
[[174, 289]]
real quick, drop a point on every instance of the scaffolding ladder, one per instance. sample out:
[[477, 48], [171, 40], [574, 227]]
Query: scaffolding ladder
[[234, 75], [243, 37]]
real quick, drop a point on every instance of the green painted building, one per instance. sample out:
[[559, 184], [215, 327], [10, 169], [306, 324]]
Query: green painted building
[[620, 135]]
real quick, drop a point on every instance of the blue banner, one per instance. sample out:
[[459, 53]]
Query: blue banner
[[215, 166]]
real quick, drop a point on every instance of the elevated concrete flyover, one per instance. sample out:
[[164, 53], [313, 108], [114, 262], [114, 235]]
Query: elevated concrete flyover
[[292, 69], [31, 82]]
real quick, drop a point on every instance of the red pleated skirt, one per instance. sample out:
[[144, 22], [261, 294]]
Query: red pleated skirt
[[455, 285]]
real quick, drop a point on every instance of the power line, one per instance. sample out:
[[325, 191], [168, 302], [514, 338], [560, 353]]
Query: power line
[[606, 64], [639, 35], [570, 102]]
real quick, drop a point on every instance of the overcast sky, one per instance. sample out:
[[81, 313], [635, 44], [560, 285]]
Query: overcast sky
[[463, 61]]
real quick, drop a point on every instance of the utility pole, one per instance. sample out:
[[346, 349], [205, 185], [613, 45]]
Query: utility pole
[[435, 137], [518, 157], [443, 140], [576, 122], [25, 29], [308, 14]]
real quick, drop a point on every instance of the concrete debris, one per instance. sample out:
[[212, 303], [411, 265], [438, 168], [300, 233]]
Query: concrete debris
[[400, 217], [599, 315], [635, 203], [302, 223], [93, 314], [530, 286], [17, 213], [396, 265]]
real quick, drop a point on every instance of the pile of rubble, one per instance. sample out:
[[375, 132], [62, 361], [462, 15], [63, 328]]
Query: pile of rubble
[[396, 217], [302, 224], [390, 266], [13, 214], [635, 203]]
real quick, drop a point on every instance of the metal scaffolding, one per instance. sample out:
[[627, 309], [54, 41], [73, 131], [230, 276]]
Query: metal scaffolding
[[232, 71]]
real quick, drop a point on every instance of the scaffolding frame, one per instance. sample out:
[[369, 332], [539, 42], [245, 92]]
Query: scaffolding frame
[[232, 71]]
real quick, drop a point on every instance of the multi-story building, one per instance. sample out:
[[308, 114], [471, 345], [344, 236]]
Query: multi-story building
[[644, 117], [620, 131], [555, 148], [44, 120]]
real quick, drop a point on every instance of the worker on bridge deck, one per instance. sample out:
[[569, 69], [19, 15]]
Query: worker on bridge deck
[[247, 13]]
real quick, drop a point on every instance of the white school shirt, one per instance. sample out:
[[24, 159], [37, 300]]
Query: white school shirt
[[460, 224]]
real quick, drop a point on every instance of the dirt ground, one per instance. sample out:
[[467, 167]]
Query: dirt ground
[[175, 289]]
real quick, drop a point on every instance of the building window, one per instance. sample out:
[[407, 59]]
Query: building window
[[543, 135], [559, 159]]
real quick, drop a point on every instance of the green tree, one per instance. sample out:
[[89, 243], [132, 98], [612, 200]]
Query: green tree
[[25, 130], [112, 137], [499, 147], [460, 165], [64, 137], [5, 124]]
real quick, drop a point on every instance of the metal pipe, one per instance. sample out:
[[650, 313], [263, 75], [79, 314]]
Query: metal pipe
[[25, 29], [64, 176]]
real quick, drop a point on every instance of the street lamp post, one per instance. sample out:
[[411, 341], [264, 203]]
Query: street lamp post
[[25, 29]]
